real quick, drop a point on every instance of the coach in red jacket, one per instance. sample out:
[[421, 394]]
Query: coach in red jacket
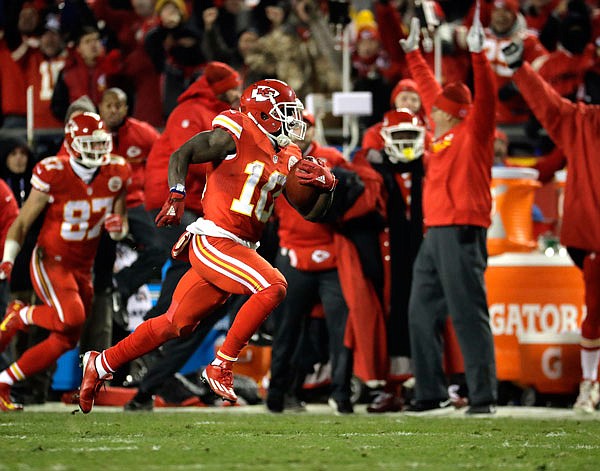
[[574, 127], [449, 268]]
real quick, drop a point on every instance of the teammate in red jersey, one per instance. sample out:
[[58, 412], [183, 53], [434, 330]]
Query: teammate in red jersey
[[81, 194], [251, 152]]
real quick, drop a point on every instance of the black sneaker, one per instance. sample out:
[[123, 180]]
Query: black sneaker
[[341, 407], [481, 410], [275, 404], [293, 404], [423, 406], [139, 406]]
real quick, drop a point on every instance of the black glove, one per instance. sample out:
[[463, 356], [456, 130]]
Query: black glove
[[508, 91], [513, 53]]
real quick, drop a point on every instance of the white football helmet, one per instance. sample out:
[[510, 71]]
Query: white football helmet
[[403, 136], [87, 140]]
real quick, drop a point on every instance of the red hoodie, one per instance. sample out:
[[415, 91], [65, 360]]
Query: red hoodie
[[456, 190], [574, 128], [196, 108]]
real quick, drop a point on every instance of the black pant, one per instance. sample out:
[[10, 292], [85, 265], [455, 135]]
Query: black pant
[[305, 289], [152, 253], [448, 280]]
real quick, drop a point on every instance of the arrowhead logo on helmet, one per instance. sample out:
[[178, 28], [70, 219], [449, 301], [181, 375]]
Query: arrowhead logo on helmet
[[274, 107], [263, 93]]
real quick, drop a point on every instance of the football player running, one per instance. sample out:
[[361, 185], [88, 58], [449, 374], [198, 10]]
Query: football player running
[[81, 193], [252, 153]]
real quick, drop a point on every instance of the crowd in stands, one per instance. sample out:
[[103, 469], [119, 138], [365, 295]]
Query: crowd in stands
[[157, 72]]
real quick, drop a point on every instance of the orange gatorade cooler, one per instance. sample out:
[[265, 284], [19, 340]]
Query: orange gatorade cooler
[[513, 192], [536, 306], [551, 361]]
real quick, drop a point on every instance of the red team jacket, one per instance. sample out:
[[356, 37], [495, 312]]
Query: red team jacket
[[197, 107], [311, 243], [456, 189], [574, 128], [75, 214], [133, 141]]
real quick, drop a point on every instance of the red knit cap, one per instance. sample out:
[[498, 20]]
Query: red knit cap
[[221, 77], [501, 135], [404, 85], [308, 117], [510, 5], [367, 32], [454, 99]]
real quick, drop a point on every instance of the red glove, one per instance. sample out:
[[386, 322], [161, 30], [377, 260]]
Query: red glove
[[313, 172], [5, 270], [172, 211], [113, 223]]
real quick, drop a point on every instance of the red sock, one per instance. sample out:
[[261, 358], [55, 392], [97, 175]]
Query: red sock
[[248, 319], [149, 335], [44, 354], [47, 318]]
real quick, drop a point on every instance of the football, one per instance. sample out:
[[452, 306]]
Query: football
[[301, 197]]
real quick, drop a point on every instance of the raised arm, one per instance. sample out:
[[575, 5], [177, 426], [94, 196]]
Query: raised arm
[[429, 89]]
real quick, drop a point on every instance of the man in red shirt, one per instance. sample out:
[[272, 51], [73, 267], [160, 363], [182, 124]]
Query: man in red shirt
[[41, 64], [133, 139], [574, 129], [82, 194], [251, 154], [449, 268], [507, 23]]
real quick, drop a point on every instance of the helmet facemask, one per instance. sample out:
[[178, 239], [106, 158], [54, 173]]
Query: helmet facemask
[[290, 115], [94, 149], [403, 136], [403, 145]]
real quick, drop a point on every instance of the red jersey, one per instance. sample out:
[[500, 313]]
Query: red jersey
[[241, 190], [133, 141], [42, 73], [76, 211], [312, 243], [9, 210]]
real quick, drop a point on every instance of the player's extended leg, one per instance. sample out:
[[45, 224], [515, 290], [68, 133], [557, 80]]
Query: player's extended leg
[[589, 391], [193, 299], [63, 314], [236, 269]]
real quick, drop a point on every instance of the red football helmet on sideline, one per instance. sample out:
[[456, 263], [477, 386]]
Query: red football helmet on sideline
[[87, 140], [403, 135], [274, 107]]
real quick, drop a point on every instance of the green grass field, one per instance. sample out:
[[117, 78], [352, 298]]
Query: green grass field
[[247, 440]]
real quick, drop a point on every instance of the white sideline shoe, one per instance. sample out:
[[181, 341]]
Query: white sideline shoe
[[589, 397]]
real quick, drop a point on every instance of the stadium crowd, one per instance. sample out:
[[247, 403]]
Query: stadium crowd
[[374, 286]]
